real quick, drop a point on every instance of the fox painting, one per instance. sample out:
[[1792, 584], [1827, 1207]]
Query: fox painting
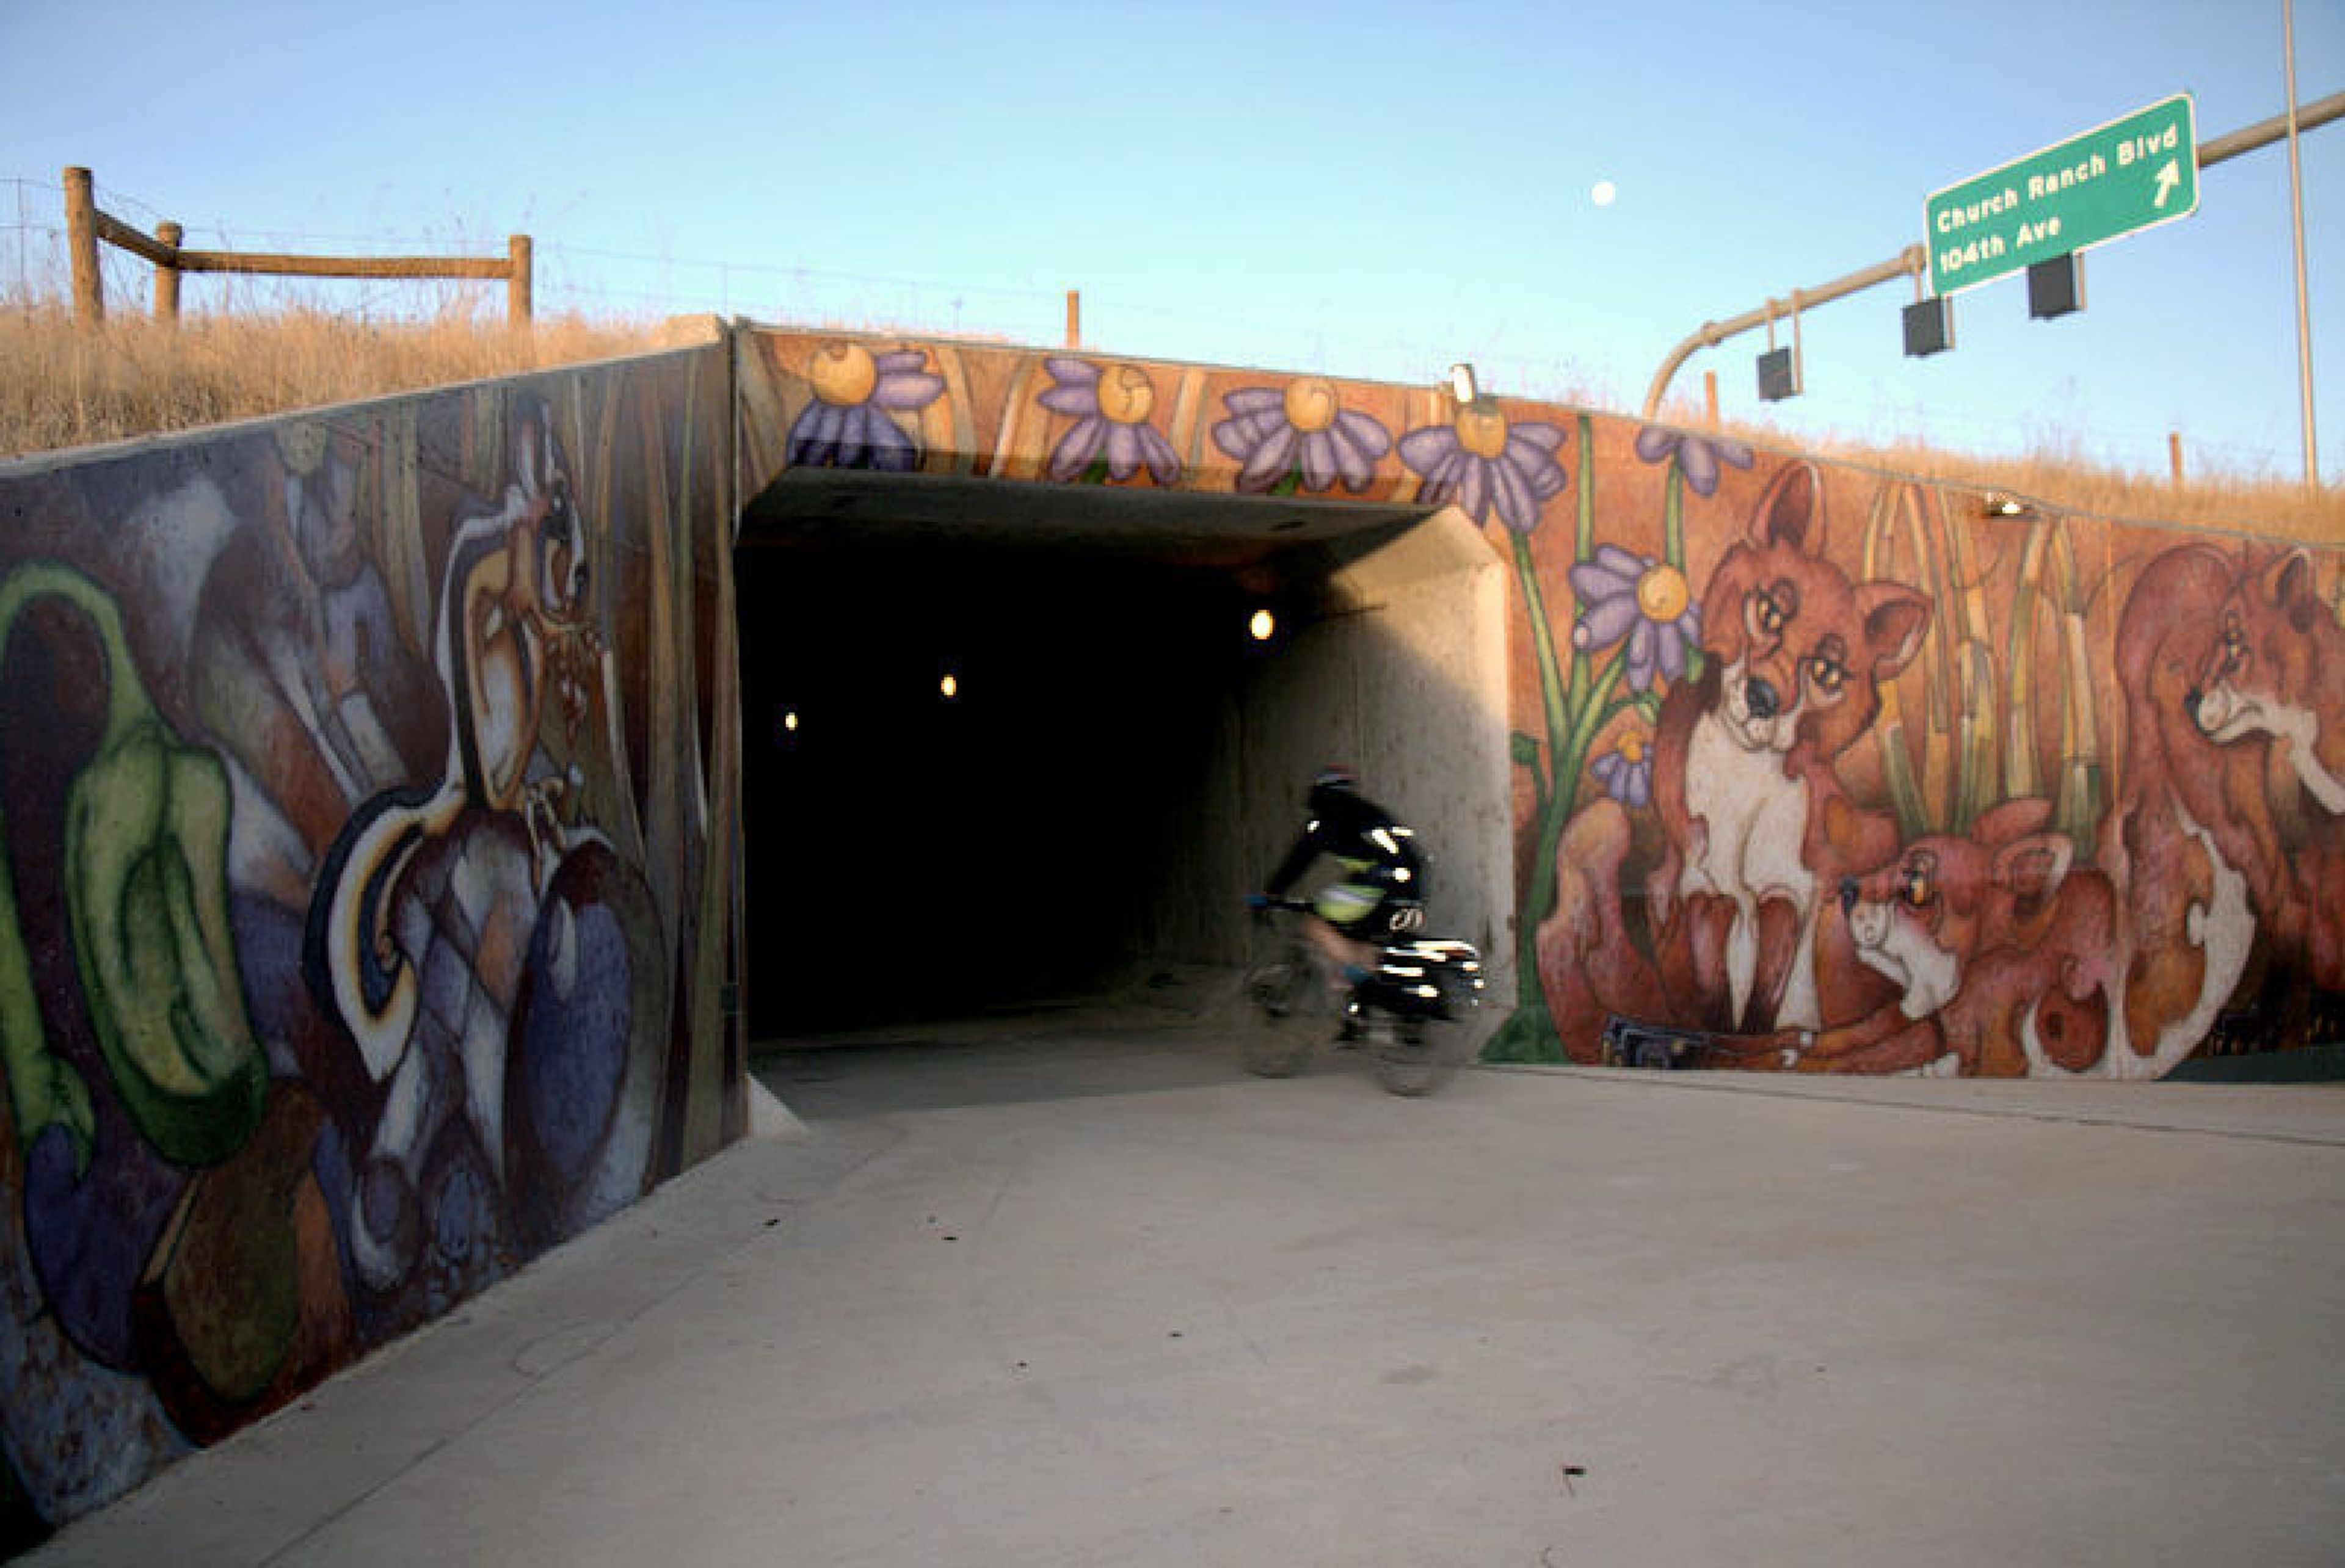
[[1769, 901]]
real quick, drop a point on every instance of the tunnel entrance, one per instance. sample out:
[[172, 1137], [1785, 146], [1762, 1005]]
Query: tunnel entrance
[[970, 769], [1009, 746]]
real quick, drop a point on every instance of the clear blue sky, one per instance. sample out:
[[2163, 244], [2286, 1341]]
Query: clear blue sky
[[1366, 188]]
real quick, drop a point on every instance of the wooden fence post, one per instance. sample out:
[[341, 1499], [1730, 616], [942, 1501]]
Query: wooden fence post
[[87, 227], [2174, 452], [167, 278], [81, 240], [520, 262], [1074, 317], [1710, 397]]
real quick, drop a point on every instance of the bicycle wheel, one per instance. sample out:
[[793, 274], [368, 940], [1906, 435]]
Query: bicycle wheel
[[1285, 1017], [1418, 1057]]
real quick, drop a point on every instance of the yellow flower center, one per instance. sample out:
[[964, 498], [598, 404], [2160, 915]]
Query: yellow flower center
[[1662, 593], [844, 373], [1310, 404], [1481, 428], [1632, 749], [1125, 395]]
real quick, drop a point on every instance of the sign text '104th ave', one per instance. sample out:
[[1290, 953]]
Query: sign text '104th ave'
[[2127, 175]]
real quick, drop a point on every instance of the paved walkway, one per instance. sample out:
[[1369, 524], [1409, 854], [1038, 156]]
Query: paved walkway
[[1069, 1295]]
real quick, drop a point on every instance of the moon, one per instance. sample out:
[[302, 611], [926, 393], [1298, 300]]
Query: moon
[[1602, 192]]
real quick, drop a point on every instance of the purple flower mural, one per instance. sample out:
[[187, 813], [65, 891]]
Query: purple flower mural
[[1698, 456], [1626, 771], [1301, 436], [1484, 463], [1109, 406], [1647, 601], [847, 425]]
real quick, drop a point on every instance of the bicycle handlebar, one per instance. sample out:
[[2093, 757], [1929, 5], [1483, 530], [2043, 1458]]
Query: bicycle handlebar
[[1263, 903]]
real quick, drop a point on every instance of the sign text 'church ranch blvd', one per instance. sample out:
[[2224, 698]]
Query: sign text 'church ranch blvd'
[[2128, 175]]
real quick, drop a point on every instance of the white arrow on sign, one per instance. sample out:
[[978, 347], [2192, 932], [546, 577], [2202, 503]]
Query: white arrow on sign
[[2168, 179]]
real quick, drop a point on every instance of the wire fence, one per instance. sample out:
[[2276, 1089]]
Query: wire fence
[[600, 283], [608, 286]]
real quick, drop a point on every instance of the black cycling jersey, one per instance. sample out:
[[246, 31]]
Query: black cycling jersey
[[1363, 835]]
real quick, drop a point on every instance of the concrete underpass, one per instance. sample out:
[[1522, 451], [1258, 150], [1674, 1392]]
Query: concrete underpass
[[1118, 758], [512, 925]]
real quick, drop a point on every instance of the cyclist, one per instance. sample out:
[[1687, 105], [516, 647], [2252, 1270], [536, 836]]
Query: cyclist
[[1383, 889]]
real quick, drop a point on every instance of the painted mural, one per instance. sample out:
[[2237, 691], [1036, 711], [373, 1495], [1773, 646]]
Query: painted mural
[[366, 794], [1816, 768], [814, 400], [368, 803], [1839, 772]]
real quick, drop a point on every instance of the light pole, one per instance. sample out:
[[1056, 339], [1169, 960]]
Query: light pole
[[2296, 218], [1913, 260]]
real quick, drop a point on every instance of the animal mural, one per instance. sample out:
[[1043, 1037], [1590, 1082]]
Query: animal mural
[[351, 950], [1816, 769], [1911, 787]]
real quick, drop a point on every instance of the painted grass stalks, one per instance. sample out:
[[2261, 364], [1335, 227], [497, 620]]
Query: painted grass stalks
[[1980, 695], [2051, 593], [1916, 783]]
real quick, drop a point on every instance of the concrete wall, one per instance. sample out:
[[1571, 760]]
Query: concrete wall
[[366, 900], [1833, 770], [1811, 766], [1392, 653], [1404, 679], [367, 799]]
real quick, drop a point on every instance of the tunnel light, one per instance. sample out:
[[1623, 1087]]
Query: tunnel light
[[1262, 624], [790, 721], [949, 686]]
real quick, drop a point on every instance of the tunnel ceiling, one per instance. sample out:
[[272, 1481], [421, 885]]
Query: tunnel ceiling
[[830, 507]]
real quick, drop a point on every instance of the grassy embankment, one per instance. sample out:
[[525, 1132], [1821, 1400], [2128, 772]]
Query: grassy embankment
[[64, 388], [61, 388]]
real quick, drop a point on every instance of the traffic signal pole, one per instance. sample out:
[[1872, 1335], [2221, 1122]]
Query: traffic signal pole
[[1914, 261]]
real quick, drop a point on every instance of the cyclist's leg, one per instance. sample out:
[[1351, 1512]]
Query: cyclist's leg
[[1338, 914]]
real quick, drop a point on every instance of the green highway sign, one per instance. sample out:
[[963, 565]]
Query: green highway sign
[[2129, 173]]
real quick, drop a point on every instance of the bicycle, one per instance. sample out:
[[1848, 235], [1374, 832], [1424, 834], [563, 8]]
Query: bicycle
[[1405, 1014]]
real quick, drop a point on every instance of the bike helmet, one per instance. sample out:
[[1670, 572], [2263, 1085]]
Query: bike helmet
[[1331, 781]]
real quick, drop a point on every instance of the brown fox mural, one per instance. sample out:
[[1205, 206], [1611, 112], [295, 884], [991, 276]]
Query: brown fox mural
[[1759, 829], [1801, 884], [1816, 768], [2272, 690], [1999, 945]]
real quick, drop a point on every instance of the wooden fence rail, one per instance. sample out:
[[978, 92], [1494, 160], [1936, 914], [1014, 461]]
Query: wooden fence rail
[[87, 227]]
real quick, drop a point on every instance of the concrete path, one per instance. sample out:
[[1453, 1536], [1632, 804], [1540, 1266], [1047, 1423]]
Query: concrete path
[[1097, 1299]]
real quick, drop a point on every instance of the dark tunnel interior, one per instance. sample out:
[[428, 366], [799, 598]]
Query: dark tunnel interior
[[966, 769]]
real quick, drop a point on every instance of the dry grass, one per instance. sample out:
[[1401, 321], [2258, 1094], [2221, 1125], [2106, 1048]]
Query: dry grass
[[2069, 481], [60, 387], [2059, 475]]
